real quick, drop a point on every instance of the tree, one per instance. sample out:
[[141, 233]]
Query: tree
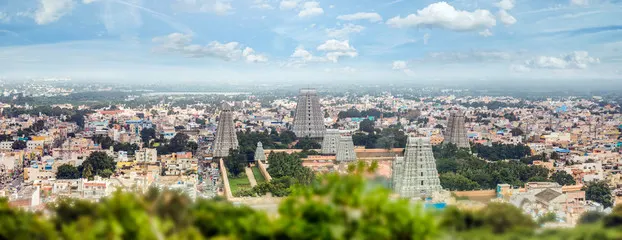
[[287, 137], [191, 146], [106, 173], [517, 132], [307, 144], [457, 182], [99, 161], [235, 162], [591, 217], [555, 155], [104, 141], [18, 145], [563, 178], [87, 172], [146, 134], [67, 171], [178, 143], [599, 192], [289, 165], [385, 142], [366, 126]]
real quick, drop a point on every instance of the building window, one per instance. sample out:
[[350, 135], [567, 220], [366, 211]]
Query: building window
[[421, 183]]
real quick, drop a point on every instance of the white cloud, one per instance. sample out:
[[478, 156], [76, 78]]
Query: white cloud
[[89, 1], [250, 56], [51, 10], [519, 68], [219, 7], [288, 4], [400, 65], [370, 16], [505, 17], [4, 17], [472, 56], [334, 56], [403, 67], [486, 33], [310, 9], [261, 4], [579, 2], [426, 38], [574, 60], [180, 43], [334, 49], [345, 31], [505, 4], [301, 57], [335, 45], [443, 15], [341, 70]]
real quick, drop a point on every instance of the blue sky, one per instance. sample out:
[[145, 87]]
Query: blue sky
[[293, 41]]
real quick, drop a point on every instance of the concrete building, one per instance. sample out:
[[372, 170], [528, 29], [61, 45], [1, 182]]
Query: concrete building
[[415, 174], [148, 155], [309, 118], [226, 137]]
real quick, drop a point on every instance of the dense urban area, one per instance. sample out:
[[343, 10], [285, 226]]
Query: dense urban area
[[87, 160]]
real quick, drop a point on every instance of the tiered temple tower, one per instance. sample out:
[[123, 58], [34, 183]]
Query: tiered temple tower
[[415, 175], [225, 134], [345, 149], [456, 133], [309, 119], [330, 142], [260, 155]]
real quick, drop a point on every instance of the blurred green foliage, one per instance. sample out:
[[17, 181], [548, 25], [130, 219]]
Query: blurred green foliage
[[333, 207]]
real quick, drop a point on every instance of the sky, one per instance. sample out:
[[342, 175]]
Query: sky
[[297, 41]]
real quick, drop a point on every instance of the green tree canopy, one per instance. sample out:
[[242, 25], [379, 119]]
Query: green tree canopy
[[67, 171], [235, 162], [99, 161], [599, 192], [563, 178], [456, 182]]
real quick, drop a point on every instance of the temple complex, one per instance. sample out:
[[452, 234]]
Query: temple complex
[[309, 118], [456, 133], [226, 137], [415, 175]]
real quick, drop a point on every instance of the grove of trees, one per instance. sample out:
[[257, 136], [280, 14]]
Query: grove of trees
[[469, 172], [500, 151]]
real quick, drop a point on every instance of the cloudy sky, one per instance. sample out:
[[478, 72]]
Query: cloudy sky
[[311, 41]]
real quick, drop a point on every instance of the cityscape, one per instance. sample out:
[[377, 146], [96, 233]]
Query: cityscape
[[193, 119]]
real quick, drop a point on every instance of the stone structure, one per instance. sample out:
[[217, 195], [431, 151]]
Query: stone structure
[[345, 150], [330, 142], [415, 175], [456, 133], [225, 134], [260, 155], [309, 118]]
